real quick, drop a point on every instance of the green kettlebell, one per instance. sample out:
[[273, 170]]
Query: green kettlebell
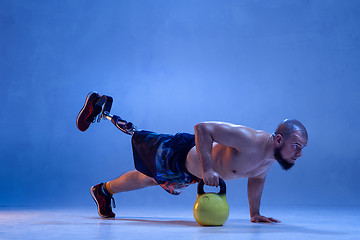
[[211, 209]]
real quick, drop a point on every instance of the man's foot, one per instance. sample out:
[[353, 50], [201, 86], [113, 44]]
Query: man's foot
[[91, 109], [102, 201]]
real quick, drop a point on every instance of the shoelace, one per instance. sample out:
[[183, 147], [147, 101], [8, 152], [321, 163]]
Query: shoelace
[[113, 202], [92, 117]]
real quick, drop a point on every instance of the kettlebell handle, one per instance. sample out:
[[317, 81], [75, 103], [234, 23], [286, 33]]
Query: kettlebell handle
[[200, 188]]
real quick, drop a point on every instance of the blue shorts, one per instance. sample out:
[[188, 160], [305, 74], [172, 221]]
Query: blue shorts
[[163, 157]]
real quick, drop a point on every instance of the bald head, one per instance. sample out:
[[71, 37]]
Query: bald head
[[289, 127]]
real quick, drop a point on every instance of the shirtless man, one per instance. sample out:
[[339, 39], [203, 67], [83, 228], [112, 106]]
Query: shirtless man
[[217, 150]]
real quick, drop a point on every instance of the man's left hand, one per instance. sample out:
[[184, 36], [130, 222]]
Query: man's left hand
[[259, 218]]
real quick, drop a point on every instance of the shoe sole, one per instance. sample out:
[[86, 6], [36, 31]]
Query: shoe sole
[[83, 108], [97, 204]]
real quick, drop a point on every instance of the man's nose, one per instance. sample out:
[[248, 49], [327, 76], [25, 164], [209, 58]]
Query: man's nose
[[299, 153]]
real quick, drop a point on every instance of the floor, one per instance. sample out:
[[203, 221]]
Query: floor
[[306, 222]]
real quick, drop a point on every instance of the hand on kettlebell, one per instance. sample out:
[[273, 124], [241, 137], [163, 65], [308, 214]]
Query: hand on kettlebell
[[211, 178], [211, 209]]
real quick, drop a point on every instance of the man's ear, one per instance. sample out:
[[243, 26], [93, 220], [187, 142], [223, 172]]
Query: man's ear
[[278, 140]]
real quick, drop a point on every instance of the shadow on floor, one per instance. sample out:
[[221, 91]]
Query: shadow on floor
[[151, 221], [235, 225]]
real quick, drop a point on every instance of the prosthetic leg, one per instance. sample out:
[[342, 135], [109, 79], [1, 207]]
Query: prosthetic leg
[[121, 124]]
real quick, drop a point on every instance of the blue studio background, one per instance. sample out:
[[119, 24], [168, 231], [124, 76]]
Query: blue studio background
[[169, 65]]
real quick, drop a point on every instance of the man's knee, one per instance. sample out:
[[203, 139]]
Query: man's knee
[[151, 181], [148, 180]]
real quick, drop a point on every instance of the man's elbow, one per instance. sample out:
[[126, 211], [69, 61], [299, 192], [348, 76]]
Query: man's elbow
[[203, 129], [200, 127]]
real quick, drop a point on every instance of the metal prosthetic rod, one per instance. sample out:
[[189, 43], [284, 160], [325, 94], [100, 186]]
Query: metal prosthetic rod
[[121, 124]]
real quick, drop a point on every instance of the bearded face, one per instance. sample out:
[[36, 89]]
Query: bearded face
[[285, 164]]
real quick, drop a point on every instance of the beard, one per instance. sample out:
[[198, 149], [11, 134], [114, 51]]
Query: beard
[[283, 163]]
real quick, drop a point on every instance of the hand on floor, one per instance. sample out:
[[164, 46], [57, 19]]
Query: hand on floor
[[259, 218]]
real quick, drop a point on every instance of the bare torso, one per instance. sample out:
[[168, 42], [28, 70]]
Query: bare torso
[[248, 161], [232, 151]]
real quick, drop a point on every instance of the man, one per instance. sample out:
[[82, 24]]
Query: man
[[217, 150]]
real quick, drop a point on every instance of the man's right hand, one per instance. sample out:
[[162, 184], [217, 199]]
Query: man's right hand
[[211, 178]]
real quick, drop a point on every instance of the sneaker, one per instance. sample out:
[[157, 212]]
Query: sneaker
[[102, 201], [91, 109]]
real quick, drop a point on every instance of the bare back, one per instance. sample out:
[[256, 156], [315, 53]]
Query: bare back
[[237, 152]]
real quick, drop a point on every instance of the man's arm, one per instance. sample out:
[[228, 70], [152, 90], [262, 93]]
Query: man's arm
[[255, 189], [226, 134]]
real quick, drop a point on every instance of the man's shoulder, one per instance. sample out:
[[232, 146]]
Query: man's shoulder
[[262, 134], [262, 137]]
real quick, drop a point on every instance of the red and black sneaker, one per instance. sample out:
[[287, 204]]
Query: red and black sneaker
[[91, 109], [102, 201]]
